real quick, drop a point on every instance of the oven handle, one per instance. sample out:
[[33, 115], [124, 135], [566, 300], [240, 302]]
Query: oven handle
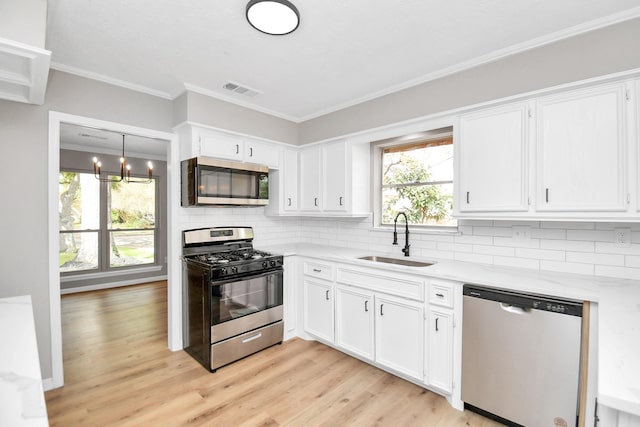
[[255, 337], [220, 282]]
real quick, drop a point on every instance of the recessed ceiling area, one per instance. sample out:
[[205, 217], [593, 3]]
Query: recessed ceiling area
[[101, 141], [342, 53]]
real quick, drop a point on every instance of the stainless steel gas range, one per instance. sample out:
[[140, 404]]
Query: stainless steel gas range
[[232, 295]]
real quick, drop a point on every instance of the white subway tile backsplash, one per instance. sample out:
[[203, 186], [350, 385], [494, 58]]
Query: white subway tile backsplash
[[540, 254], [591, 235], [568, 245], [572, 247], [594, 258]]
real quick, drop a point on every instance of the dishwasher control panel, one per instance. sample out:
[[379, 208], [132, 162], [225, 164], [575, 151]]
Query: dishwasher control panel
[[525, 301]]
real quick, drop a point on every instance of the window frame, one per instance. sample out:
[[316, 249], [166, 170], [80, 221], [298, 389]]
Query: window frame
[[377, 151], [104, 234]]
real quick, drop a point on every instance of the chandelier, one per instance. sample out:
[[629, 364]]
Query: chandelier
[[125, 171]]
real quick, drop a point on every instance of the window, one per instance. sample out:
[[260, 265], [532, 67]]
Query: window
[[417, 179], [105, 226]]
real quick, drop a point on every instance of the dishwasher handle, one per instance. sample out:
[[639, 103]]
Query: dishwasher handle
[[514, 309]]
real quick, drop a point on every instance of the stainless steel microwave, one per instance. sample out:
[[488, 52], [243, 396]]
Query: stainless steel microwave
[[208, 181]]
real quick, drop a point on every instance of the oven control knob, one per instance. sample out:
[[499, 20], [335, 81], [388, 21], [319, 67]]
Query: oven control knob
[[265, 264], [223, 271], [273, 263], [234, 269]]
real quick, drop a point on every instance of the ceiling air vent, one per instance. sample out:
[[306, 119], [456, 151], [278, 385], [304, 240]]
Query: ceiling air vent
[[241, 89]]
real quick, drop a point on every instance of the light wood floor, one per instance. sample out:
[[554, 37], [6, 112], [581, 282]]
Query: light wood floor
[[118, 371]]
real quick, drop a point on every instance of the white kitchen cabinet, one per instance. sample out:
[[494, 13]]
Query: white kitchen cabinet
[[311, 176], [290, 297], [581, 151], [440, 348], [399, 335], [289, 173], [283, 185], [492, 150], [355, 321], [200, 141], [335, 180], [318, 308]]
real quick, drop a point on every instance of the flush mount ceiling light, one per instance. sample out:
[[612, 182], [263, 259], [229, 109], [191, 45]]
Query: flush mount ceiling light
[[275, 17]]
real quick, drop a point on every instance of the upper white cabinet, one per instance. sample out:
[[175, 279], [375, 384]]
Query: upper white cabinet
[[283, 185], [311, 176], [199, 141], [334, 179], [570, 155], [492, 149], [581, 150]]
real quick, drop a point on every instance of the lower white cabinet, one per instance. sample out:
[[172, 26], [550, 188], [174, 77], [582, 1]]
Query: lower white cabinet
[[440, 349], [318, 308], [393, 324], [399, 332], [355, 321], [290, 296]]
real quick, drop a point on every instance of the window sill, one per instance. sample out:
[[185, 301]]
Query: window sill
[[416, 229], [112, 273]]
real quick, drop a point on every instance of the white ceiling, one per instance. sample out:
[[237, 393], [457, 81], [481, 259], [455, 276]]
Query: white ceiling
[[344, 52], [101, 141]]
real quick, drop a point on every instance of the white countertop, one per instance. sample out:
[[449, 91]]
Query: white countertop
[[618, 304], [21, 395]]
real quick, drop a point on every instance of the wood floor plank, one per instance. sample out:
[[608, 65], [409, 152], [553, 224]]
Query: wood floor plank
[[119, 372]]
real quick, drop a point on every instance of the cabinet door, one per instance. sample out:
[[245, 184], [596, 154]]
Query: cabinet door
[[289, 173], [354, 321], [399, 338], [310, 179], [493, 157], [261, 153], [581, 151], [335, 177], [318, 309], [440, 353], [216, 145]]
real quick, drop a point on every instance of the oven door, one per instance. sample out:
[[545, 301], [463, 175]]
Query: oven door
[[242, 304]]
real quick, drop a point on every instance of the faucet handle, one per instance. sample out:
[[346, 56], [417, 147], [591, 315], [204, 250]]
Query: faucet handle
[[405, 250]]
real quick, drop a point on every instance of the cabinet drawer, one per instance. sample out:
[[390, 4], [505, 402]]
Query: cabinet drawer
[[319, 270], [397, 284], [441, 293]]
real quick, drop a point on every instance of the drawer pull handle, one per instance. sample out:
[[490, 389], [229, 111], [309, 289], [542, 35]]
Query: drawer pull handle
[[317, 270], [436, 324], [546, 195], [250, 151], [237, 149], [289, 201], [341, 201], [440, 295], [315, 201], [365, 306], [381, 313], [467, 197], [326, 295], [255, 337]]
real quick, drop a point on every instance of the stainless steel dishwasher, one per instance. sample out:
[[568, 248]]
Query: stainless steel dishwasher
[[521, 357]]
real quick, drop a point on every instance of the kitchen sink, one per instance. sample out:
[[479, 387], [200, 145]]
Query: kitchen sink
[[396, 261]]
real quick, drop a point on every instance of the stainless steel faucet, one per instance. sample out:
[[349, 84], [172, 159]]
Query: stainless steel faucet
[[405, 250]]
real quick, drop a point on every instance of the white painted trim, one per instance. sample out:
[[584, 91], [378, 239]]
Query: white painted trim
[[246, 104], [78, 289], [173, 195], [110, 80], [112, 273], [484, 59], [47, 384]]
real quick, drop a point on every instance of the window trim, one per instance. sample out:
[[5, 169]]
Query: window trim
[[378, 149]]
